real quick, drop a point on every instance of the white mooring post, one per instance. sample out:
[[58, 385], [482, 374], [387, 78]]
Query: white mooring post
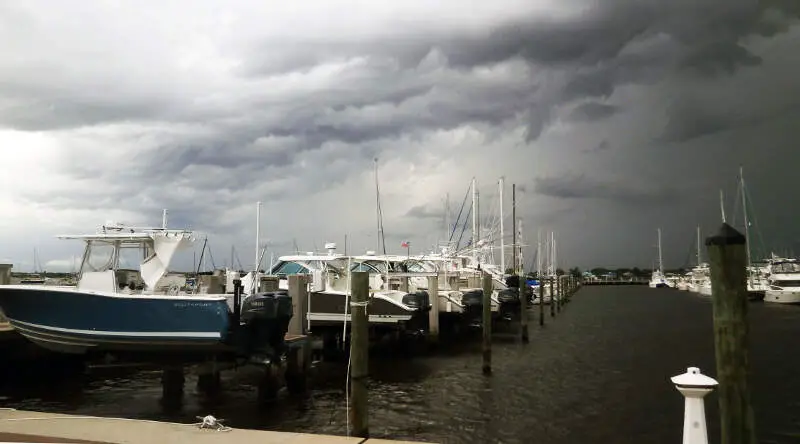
[[694, 386]]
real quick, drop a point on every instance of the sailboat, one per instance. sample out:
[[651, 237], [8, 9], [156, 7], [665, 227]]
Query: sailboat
[[37, 277], [756, 283], [658, 279]]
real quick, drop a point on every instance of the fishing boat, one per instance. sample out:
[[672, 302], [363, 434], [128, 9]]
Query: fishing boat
[[111, 312], [330, 288]]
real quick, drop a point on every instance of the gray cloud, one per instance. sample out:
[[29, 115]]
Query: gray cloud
[[425, 212], [582, 187], [207, 117], [602, 146], [590, 111]]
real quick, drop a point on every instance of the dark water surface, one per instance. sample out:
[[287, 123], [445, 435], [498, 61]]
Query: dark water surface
[[597, 373]]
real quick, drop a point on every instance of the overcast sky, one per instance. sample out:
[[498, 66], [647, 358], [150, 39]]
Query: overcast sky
[[613, 117]]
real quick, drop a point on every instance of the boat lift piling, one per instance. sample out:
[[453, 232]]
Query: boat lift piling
[[433, 314], [727, 253], [298, 360], [560, 293], [487, 324], [359, 355], [541, 300]]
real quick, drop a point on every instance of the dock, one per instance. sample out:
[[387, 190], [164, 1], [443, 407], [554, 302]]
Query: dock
[[27, 426], [616, 282]]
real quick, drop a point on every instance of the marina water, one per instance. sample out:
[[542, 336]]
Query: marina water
[[598, 372]]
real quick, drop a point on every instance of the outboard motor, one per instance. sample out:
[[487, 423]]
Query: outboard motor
[[419, 300], [265, 318], [472, 301], [509, 303], [512, 281]]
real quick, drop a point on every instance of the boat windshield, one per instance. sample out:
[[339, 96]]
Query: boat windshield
[[420, 267], [786, 267], [372, 267]]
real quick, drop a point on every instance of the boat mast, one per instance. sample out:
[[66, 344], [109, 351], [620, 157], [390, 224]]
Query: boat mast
[[555, 255], [518, 251], [539, 255], [474, 221], [698, 245], [258, 238], [552, 253], [746, 220], [447, 220], [660, 262], [380, 242], [502, 230]]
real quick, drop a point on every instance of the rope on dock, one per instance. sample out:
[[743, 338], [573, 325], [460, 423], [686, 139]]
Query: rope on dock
[[207, 422], [210, 422]]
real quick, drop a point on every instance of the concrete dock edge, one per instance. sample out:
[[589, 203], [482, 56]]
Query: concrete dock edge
[[73, 428]]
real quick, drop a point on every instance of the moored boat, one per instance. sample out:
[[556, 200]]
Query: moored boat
[[110, 312]]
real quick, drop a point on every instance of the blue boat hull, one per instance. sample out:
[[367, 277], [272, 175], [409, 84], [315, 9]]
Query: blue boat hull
[[66, 320]]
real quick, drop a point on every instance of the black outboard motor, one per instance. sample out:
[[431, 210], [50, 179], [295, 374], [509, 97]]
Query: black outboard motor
[[512, 281], [472, 301], [265, 318], [509, 303], [419, 300]]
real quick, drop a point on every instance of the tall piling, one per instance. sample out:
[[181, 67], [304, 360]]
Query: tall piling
[[727, 255], [487, 324], [359, 355]]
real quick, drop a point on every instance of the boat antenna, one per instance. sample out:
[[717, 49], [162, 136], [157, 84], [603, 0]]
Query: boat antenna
[[381, 241]]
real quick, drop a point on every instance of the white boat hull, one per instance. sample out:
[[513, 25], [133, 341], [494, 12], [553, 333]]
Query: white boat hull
[[782, 296]]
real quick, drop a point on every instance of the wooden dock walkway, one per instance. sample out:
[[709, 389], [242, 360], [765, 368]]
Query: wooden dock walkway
[[26, 426]]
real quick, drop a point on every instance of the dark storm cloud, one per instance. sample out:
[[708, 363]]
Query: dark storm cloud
[[583, 187], [289, 119], [602, 146], [591, 111]]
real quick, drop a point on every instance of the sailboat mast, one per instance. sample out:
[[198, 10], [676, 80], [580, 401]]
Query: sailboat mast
[[518, 251], [660, 262], [380, 241], [447, 218], [502, 228], [258, 236], [698, 245], [539, 253], [555, 254], [474, 221], [746, 220]]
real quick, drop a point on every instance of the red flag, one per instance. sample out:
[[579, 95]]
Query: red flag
[[405, 244]]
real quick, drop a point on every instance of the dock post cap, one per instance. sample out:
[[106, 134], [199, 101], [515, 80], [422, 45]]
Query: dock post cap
[[694, 379], [727, 235]]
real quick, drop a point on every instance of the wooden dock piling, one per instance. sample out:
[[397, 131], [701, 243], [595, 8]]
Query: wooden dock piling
[[298, 291], [727, 255], [433, 314], [542, 284], [524, 294], [487, 324], [557, 301], [359, 355]]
